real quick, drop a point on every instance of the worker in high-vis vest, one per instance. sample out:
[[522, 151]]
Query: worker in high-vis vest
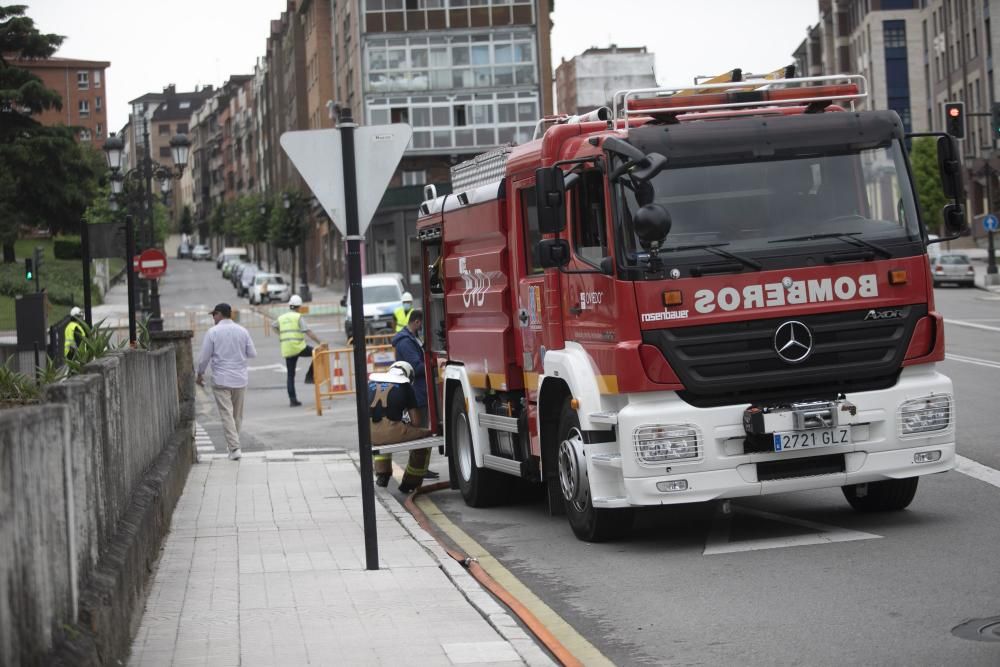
[[391, 400], [74, 333], [292, 331], [402, 314]]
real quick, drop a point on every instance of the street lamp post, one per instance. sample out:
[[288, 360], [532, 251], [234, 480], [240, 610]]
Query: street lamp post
[[180, 147], [304, 287]]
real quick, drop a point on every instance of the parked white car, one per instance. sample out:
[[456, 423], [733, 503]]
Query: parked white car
[[269, 287], [201, 252]]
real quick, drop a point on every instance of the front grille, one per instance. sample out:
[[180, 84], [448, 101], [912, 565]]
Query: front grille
[[806, 467], [736, 362]]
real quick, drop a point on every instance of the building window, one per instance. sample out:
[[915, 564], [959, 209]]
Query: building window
[[83, 80], [417, 177], [163, 130], [97, 78], [451, 63], [84, 107], [164, 151], [84, 135], [896, 71], [100, 131], [97, 103], [182, 128]]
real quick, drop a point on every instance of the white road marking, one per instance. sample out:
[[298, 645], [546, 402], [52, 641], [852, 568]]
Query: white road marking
[[971, 325], [718, 540], [973, 360], [269, 367], [978, 471]]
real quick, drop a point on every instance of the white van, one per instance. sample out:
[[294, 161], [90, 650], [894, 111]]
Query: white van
[[382, 294], [227, 254]]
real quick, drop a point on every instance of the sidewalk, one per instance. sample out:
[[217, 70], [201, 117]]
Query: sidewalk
[[265, 565]]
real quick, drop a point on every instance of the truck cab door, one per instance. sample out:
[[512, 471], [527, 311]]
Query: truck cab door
[[529, 313], [588, 298]]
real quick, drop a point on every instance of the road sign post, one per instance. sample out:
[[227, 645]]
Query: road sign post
[[317, 154], [130, 277], [991, 224]]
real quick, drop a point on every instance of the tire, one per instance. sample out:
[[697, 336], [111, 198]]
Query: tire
[[889, 496], [589, 523], [480, 487]]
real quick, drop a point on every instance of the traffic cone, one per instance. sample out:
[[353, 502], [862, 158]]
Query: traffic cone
[[338, 383]]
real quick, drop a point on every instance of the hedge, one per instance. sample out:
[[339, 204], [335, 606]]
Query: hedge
[[67, 248]]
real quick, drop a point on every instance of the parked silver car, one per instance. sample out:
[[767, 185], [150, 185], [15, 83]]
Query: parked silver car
[[953, 268]]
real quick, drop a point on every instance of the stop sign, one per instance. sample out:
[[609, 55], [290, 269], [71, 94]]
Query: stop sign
[[152, 263]]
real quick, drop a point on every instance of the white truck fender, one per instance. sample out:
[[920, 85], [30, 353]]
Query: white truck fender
[[573, 365], [480, 435]]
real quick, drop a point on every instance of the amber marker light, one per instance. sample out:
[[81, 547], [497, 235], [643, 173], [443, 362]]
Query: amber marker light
[[575, 403], [672, 297], [897, 277]]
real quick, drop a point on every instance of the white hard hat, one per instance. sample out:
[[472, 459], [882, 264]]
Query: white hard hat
[[403, 367], [407, 296], [75, 311], [295, 301]]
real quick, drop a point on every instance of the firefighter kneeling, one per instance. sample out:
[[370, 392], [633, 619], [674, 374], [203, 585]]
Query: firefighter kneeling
[[393, 408]]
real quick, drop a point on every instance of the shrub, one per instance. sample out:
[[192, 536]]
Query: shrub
[[67, 247]]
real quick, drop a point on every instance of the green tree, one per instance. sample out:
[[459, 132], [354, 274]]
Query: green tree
[[46, 178], [927, 178], [187, 221]]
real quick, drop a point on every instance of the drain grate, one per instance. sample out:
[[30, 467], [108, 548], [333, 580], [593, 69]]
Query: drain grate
[[979, 629]]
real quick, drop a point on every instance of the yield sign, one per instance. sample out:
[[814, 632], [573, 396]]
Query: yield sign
[[317, 156]]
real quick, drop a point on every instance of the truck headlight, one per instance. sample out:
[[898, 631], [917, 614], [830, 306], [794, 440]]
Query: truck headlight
[[923, 415], [658, 443]]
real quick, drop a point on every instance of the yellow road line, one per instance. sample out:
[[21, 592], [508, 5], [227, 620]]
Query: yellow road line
[[582, 649]]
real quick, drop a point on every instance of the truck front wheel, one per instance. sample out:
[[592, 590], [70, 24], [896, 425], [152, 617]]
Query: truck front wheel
[[480, 487], [589, 523], [888, 496]]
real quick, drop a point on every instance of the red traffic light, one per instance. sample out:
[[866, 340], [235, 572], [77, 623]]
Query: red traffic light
[[954, 112]]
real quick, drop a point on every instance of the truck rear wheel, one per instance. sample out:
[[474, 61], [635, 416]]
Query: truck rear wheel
[[589, 523], [480, 487], [888, 496]]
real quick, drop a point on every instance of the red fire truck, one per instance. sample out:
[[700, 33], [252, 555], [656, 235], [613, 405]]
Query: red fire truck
[[708, 292]]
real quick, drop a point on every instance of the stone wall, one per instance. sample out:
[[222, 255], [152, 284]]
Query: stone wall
[[88, 482]]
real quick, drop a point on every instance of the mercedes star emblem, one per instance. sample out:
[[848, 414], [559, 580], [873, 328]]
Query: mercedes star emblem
[[793, 341]]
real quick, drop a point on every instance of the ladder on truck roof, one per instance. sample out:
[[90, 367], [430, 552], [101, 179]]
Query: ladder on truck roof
[[484, 169], [760, 91]]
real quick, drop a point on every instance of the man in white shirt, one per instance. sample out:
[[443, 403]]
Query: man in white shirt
[[227, 346]]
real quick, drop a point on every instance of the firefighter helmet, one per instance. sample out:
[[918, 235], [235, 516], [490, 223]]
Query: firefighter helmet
[[402, 367]]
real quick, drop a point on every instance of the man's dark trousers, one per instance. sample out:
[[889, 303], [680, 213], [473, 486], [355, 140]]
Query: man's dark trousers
[[290, 364]]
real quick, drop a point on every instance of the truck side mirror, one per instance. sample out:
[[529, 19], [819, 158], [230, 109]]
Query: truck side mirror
[[550, 199], [553, 253], [954, 219], [950, 168]]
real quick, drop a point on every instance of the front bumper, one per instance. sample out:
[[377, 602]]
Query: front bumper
[[878, 450]]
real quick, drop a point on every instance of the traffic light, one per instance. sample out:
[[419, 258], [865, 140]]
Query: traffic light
[[995, 118], [954, 119], [29, 269], [39, 255]]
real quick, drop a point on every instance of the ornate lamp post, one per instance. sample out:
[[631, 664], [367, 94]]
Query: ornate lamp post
[[142, 176]]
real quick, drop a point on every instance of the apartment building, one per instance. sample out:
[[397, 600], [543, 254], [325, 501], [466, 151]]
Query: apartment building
[[467, 75], [590, 80], [83, 86], [916, 55]]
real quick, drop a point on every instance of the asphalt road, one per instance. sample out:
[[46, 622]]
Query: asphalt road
[[794, 579]]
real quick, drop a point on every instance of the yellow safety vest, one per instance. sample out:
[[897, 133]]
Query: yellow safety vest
[[402, 318], [293, 339], [69, 336]]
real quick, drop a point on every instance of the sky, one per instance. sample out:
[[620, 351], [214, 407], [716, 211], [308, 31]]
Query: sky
[[199, 42]]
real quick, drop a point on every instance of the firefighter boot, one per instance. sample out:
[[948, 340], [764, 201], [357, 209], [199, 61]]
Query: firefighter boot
[[382, 464], [416, 467]]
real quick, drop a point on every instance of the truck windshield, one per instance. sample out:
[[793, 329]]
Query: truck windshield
[[776, 211]]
